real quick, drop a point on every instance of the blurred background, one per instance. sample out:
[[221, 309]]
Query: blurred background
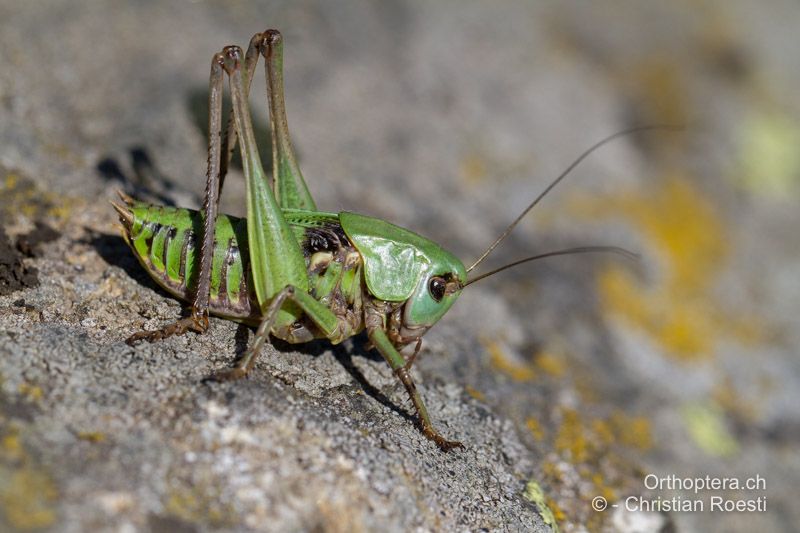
[[447, 118]]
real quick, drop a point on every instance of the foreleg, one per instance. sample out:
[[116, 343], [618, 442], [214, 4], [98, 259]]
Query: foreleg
[[400, 367]]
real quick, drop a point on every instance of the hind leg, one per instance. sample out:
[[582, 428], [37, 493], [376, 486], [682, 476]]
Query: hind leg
[[198, 320], [180, 327]]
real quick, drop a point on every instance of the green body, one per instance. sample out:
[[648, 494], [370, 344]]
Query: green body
[[296, 272], [166, 242], [391, 262]]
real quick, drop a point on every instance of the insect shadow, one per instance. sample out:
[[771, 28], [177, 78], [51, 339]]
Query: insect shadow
[[145, 181], [344, 354], [113, 249]]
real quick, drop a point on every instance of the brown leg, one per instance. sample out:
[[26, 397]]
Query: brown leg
[[398, 365], [248, 360], [410, 360], [198, 321], [176, 328], [231, 135], [422, 413]]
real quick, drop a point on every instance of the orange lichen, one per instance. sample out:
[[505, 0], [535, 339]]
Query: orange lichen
[[602, 489], [535, 494], [602, 432], [27, 492], [571, 440], [28, 199], [503, 362], [12, 447], [552, 472], [535, 428], [32, 393], [556, 511], [550, 364], [633, 431], [199, 503], [731, 401], [474, 169], [581, 440], [94, 437], [475, 393], [593, 458], [10, 181], [680, 311], [658, 84]]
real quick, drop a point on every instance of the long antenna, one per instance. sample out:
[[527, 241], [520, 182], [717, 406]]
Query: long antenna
[[577, 250], [564, 174]]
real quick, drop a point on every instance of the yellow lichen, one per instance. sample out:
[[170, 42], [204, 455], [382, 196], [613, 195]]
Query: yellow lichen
[[502, 362], [534, 494], [27, 492], [769, 156], [475, 393], [33, 393], [679, 310], [571, 439], [707, 428], [550, 364], [535, 428], [92, 436]]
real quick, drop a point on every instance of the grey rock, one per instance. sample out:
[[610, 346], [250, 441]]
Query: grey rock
[[447, 118]]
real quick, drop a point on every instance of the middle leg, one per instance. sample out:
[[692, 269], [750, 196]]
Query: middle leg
[[332, 326]]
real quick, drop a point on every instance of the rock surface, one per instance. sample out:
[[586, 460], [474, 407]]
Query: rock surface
[[567, 380]]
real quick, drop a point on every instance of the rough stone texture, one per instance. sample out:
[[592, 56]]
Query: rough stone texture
[[576, 376]]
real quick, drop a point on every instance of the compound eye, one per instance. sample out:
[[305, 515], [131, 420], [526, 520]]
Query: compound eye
[[436, 287]]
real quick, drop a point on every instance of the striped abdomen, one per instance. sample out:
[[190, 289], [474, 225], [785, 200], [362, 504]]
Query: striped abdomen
[[166, 240]]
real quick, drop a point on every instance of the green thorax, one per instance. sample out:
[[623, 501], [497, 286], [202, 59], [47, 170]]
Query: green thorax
[[339, 249], [395, 259], [333, 264], [166, 241], [399, 266]]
